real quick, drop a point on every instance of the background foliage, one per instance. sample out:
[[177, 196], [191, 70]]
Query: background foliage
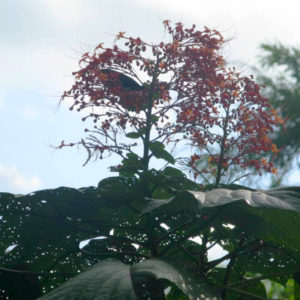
[[279, 72]]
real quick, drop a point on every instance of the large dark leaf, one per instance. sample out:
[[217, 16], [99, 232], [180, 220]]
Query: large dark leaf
[[104, 281], [46, 228], [283, 198], [270, 220], [112, 279]]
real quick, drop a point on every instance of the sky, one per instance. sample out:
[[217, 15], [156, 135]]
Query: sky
[[41, 42]]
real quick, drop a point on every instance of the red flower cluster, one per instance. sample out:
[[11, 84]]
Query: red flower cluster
[[234, 125], [123, 88], [127, 92]]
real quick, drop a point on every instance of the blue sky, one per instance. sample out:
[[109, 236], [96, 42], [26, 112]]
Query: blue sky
[[40, 45]]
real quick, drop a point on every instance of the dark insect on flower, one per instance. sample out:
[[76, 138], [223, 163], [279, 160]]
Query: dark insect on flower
[[128, 90], [115, 78]]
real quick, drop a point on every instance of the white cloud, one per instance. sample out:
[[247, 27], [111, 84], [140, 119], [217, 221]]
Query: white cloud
[[12, 178]]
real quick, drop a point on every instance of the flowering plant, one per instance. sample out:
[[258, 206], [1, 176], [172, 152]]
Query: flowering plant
[[240, 122], [149, 234], [170, 92]]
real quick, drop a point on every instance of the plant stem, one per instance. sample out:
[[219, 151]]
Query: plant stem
[[230, 266], [227, 276], [203, 252], [221, 159], [146, 141], [148, 112]]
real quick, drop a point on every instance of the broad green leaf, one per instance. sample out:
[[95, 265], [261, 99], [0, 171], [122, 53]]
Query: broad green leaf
[[209, 187], [111, 279], [290, 195], [156, 269], [284, 198], [107, 280]]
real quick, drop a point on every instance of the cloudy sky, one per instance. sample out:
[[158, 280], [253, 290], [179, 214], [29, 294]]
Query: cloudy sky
[[41, 42]]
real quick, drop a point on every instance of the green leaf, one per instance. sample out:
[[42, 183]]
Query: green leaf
[[157, 149], [112, 187], [154, 119], [177, 180], [289, 195], [133, 135], [173, 172], [156, 145], [284, 198], [144, 273], [111, 279], [107, 280], [132, 158], [130, 165]]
